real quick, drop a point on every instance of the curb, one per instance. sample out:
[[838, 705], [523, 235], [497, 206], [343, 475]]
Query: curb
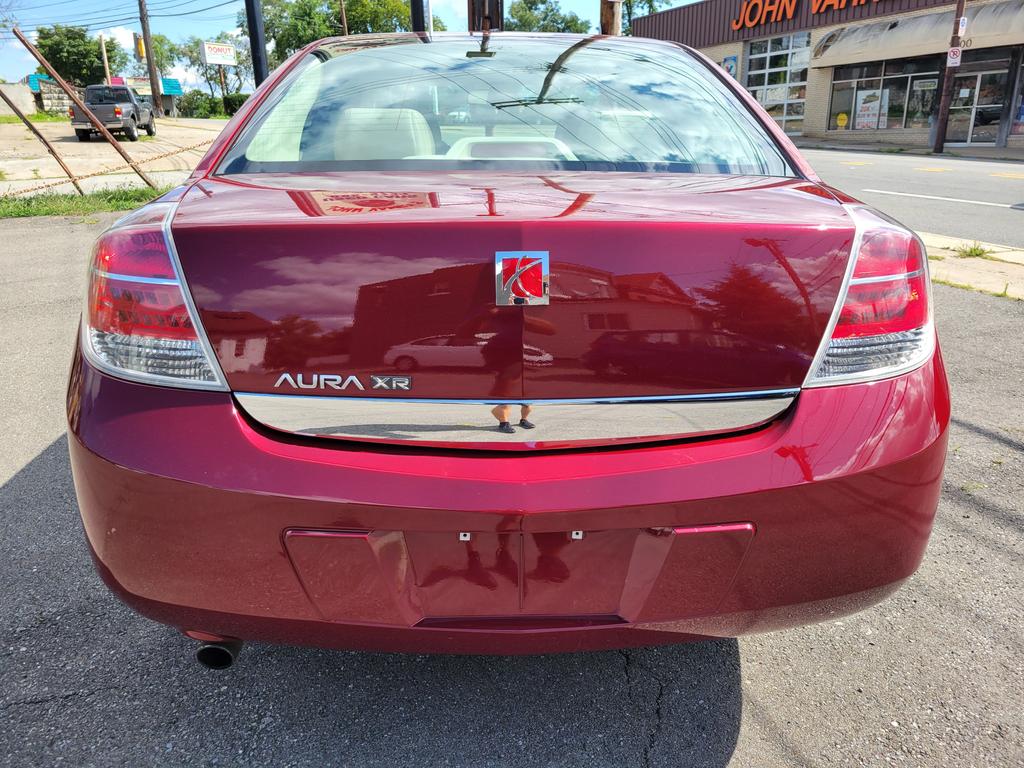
[[1000, 272]]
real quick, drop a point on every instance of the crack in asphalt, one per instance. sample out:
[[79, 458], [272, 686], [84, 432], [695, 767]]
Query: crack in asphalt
[[55, 697], [654, 732]]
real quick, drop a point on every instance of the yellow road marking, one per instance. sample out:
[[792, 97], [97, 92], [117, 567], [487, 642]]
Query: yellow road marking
[[934, 170], [1008, 175], [856, 162]]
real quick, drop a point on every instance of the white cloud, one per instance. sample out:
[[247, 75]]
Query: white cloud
[[124, 36], [188, 79]]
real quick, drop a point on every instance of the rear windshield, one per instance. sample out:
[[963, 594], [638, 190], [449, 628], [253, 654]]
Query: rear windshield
[[102, 94], [504, 103]]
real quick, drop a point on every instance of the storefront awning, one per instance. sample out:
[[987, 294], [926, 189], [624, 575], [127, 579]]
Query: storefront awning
[[988, 26]]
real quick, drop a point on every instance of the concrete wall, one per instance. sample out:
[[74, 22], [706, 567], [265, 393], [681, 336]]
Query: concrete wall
[[21, 95]]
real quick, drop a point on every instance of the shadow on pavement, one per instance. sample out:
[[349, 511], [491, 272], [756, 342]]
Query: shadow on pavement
[[86, 681]]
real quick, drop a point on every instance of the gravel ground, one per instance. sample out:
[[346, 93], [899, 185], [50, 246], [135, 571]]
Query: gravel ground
[[933, 676]]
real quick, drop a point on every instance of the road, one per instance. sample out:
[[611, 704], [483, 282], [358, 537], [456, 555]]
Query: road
[[985, 199], [931, 677]]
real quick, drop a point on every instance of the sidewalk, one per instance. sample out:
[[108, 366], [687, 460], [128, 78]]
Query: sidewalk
[[1013, 154], [999, 272]]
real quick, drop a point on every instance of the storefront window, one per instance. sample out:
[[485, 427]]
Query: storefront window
[[861, 101], [894, 102], [922, 99], [842, 106], [776, 75]]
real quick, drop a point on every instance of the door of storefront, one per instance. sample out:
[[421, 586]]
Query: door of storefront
[[976, 108]]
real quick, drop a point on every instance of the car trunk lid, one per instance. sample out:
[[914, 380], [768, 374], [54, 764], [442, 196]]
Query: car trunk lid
[[660, 285]]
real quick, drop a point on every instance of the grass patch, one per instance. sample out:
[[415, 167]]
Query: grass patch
[[935, 257], [973, 251], [124, 199], [3, 176], [1003, 294], [36, 117]]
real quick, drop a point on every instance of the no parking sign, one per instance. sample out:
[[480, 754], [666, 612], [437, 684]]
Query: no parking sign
[[953, 57]]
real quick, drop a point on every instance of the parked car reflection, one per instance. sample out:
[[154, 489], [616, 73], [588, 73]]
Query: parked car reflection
[[668, 356], [452, 351]]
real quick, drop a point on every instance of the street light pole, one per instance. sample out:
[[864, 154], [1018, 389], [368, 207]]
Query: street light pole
[[419, 21], [947, 84], [154, 76], [257, 40]]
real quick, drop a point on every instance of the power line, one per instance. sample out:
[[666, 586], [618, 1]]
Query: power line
[[97, 17]]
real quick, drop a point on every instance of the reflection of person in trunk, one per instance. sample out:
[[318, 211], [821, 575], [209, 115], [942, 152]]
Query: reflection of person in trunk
[[503, 354]]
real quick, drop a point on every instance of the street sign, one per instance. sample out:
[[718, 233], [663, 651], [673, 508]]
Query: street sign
[[953, 57], [962, 26], [219, 53]]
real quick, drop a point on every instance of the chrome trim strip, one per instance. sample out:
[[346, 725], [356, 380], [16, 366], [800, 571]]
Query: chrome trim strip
[[886, 278], [762, 394], [833, 319], [133, 279], [186, 291], [559, 423]]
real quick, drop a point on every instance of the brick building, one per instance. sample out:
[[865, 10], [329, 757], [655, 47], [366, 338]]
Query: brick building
[[864, 70]]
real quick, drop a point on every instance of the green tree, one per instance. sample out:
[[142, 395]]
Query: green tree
[[542, 16], [634, 8], [165, 55], [293, 24], [76, 56]]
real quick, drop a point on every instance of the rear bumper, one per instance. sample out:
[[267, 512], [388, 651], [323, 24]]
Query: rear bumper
[[117, 125], [202, 521]]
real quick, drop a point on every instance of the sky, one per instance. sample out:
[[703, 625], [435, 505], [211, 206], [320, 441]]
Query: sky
[[178, 19]]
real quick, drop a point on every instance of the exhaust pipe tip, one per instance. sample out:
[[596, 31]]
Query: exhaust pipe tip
[[218, 655]]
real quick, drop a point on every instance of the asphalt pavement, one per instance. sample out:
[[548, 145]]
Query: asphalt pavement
[[959, 197], [931, 677]]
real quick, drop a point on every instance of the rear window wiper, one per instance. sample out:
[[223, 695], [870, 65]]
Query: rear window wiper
[[534, 102]]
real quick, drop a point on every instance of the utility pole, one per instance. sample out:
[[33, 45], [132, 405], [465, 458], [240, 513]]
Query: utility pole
[[947, 84], [611, 17], [257, 40], [106, 66], [343, 17], [484, 15], [154, 76]]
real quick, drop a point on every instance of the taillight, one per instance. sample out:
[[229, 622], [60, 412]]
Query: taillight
[[138, 321], [71, 112], [118, 112], [883, 323]]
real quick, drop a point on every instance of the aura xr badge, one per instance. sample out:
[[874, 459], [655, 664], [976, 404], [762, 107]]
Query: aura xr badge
[[521, 277]]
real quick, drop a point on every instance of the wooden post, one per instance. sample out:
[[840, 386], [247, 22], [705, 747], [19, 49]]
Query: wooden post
[[79, 104], [155, 86], [46, 142], [106, 65], [611, 17], [948, 75], [343, 18]]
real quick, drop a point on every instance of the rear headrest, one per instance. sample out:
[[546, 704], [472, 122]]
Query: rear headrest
[[382, 134]]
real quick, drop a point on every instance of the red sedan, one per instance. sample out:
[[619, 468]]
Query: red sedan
[[741, 426]]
